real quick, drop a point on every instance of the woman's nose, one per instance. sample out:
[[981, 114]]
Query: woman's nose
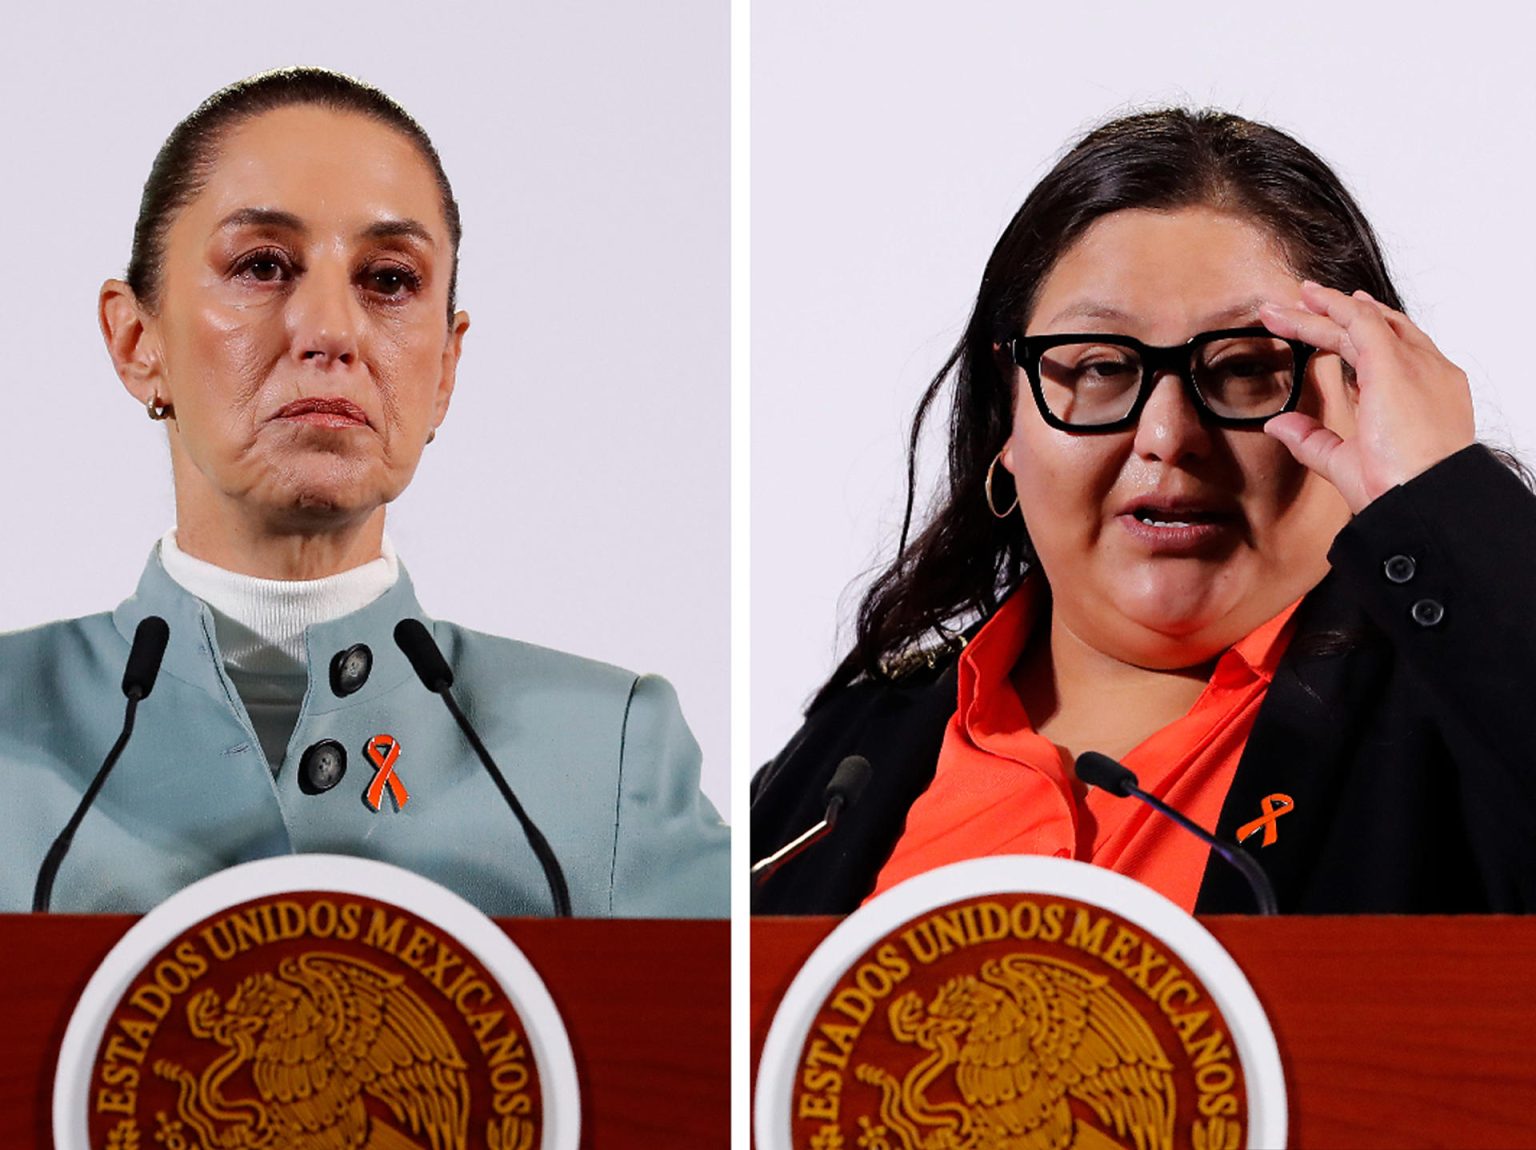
[[324, 317], [1170, 428]]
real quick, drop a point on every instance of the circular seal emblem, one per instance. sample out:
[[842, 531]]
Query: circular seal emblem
[[1020, 1003], [315, 1001]]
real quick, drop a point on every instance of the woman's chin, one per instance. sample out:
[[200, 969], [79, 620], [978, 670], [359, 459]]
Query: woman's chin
[[1166, 630], [324, 485], [318, 506]]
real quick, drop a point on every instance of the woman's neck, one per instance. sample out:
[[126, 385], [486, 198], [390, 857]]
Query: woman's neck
[[248, 546], [259, 622], [1084, 700]]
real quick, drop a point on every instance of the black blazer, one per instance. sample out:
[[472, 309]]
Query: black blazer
[[1397, 721]]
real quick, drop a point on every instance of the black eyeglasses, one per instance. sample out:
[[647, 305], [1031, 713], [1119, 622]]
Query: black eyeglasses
[[1237, 377]]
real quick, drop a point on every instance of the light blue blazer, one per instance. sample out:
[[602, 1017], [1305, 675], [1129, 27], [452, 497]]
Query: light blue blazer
[[600, 758]]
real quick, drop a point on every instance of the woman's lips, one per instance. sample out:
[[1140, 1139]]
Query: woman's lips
[[324, 411], [1178, 527]]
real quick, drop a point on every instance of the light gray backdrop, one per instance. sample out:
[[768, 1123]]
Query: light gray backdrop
[[892, 141], [577, 494]]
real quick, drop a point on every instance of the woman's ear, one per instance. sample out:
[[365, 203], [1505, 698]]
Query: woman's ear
[[132, 343], [1007, 457], [451, 352]]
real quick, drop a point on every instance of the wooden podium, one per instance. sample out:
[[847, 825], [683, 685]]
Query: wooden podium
[[646, 1004], [1395, 1032]]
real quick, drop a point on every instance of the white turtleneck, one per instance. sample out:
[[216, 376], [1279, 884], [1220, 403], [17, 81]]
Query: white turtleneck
[[259, 625]]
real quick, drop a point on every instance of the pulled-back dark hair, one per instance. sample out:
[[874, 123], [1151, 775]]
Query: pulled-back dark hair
[[184, 162], [964, 561]]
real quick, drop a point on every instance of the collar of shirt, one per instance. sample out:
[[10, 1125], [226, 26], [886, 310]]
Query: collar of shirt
[[1002, 788], [193, 654], [991, 713], [260, 623]]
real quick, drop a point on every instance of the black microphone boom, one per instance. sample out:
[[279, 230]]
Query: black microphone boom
[[1105, 773], [418, 646], [144, 658], [848, 782]]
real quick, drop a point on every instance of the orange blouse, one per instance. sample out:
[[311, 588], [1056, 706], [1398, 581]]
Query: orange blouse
[[1002, 788]]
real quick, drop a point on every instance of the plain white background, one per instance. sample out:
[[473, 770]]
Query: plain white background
[[892, 142], [577, 495]]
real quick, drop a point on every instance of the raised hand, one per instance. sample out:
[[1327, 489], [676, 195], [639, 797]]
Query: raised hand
[[1414, 406]]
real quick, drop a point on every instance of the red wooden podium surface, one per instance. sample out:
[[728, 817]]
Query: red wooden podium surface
[[646, 1005], [1394, 1032]]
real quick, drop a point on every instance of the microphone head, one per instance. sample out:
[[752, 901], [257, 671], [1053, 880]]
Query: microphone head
[[144, 656], [849, 780], [1104, 772], [413, 638]]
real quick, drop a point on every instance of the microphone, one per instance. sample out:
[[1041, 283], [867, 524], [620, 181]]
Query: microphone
[[144, 657], [1105, 773], [848, 783], [416, 643]]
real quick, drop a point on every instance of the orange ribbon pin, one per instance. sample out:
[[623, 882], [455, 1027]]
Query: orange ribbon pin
[[1273, 807], [384, 752]]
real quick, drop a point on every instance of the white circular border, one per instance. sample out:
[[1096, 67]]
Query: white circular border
[[335, 874], [1021, 874]]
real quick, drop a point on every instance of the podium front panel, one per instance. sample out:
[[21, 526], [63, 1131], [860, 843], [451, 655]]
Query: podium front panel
[[1394, 1032], [646, 1004]]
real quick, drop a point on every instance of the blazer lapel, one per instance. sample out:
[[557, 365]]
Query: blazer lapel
[[1296, 750]]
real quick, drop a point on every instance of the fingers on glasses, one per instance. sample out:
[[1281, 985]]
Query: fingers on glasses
[[1350, 326]]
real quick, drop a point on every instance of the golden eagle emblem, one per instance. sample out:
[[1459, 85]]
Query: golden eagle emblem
[[1022, 1040], [314, 1039]]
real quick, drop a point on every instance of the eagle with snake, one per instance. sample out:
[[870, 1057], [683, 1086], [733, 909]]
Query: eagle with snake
[[1022, 1041], [316, 1039]]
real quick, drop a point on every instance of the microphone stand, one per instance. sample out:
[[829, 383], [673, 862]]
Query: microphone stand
[[1099, 770]]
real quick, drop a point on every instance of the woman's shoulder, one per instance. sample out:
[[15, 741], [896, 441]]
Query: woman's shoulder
[[53, 677], [56, 630], [546, 671], [26, 652], [886, 719]]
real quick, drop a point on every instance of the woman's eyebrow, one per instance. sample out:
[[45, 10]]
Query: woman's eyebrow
[[1248, 309], [1090, 309], [288, 221], [262, 217], [393, 228], [1095, 309]]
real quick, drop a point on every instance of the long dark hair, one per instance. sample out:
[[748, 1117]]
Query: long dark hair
[[964, 561], [182, 166]]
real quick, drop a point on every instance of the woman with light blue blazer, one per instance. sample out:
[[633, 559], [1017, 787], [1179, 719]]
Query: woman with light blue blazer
[[289, 314]]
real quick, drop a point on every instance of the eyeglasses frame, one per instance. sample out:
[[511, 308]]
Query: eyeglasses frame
[[1026, 351]]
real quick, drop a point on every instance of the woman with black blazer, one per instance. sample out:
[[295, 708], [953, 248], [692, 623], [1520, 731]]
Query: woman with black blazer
[[1212, 518]]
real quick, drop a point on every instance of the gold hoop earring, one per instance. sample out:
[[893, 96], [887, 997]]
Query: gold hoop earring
[[991, 503], [157, 410]]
